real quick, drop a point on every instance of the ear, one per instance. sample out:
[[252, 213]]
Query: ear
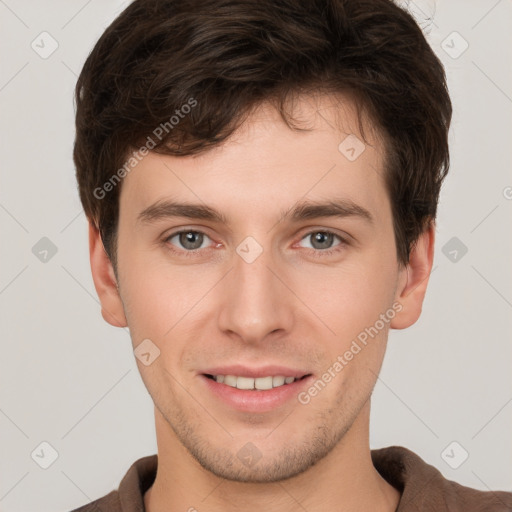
[[105, 281], [413, 280]]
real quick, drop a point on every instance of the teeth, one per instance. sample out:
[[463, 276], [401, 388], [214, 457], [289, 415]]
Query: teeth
[[263, 383], [260, 383], [278, 381], [230, 380], [244, 383]]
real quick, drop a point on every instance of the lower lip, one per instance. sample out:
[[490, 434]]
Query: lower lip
[[256, 400]]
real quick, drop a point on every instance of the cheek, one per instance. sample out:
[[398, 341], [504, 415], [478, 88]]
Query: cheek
[[351, 297], [160, 299]]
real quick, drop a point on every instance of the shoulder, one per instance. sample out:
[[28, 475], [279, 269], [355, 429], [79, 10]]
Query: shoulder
[[109, 503], [129, 497], [423, 487]]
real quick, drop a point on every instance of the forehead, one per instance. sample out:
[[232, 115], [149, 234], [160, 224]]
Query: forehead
[[265, 166]]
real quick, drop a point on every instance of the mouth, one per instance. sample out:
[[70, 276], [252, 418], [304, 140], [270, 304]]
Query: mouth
[[262, 392], [255, 383]]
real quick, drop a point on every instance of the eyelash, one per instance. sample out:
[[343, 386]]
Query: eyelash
[[317, 253]]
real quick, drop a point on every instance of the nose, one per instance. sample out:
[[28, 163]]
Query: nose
[[255, 300]]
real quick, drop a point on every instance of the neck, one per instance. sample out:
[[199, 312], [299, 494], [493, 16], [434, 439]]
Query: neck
[[343, 480]]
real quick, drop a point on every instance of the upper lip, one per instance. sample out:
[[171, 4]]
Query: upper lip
[[263, 371]]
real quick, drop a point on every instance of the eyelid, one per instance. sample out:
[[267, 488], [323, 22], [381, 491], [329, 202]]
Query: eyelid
[[172, 234], [342, 235], [345, 240]]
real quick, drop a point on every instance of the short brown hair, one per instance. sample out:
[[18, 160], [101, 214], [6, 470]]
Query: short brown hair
[[229, 56]]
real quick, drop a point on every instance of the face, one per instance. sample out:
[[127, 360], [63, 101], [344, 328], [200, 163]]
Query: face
[[271, 286]]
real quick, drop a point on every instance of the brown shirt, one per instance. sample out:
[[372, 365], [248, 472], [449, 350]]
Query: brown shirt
[[422, 486]]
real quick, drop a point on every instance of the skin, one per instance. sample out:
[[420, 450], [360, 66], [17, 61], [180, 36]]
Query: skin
[[287, 307]]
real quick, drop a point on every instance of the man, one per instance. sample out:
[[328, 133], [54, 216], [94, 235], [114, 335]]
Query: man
[[261, 181]]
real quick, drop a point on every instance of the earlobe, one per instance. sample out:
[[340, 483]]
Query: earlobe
[[414, 279], [105, 281]]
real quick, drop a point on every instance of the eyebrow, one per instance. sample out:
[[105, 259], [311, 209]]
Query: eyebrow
[[306, 210]]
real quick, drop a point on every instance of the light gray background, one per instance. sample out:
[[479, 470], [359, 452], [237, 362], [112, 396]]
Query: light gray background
[[70, 379]]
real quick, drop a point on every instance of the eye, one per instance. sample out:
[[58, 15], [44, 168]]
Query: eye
[[322, 240], [188, 242], [188, 239]]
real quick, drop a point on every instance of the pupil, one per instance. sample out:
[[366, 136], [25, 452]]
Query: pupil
[[325, 237], [187, 239]]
